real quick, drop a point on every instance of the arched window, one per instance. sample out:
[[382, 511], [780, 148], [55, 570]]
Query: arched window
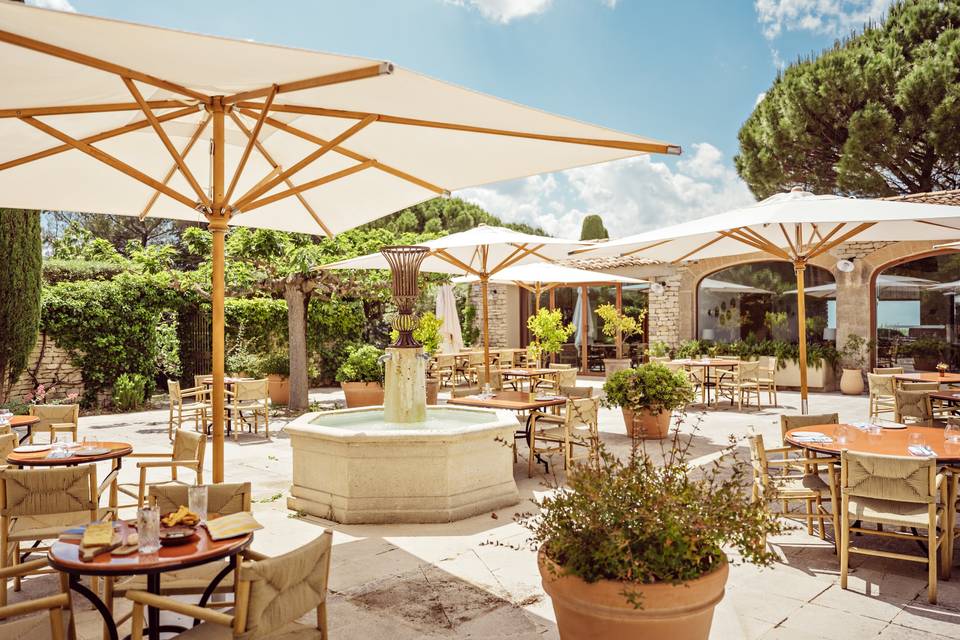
[[917, 320], [758, 300]]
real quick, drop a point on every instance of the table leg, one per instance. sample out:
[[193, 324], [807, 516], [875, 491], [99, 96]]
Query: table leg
[[26, 434], [208, 592], [110, 627], [527, 427]]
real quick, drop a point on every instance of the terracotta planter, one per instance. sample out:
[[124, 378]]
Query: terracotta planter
[[279, 388], [433, 388], [851, 382], [647, 425], [362, 394], [925, 363], [612, 365], [600, 611]]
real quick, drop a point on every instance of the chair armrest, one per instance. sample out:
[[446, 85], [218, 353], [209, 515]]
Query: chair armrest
[[178, 606], [169, 464], [800, 461], [31, 606], [23, 569], [151, 455], [63, 425], [785, 449], [250, 554]]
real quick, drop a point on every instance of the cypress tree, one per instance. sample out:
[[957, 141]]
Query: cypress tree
[[20, 248], [593, 229]]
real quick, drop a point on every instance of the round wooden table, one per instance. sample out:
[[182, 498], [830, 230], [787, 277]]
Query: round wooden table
[[947, 378], [890, 442], [116, 451], [23, 421], [65, 556]]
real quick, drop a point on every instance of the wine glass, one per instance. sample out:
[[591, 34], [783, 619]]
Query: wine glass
[[951, 433]]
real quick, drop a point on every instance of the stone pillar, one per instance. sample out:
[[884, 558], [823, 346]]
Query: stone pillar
[[498, 309], [405, 393], [664, 314]]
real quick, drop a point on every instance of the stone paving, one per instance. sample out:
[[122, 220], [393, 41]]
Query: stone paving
[[476, 579]]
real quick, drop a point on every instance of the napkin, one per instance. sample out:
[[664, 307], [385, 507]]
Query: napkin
[[922, 451]]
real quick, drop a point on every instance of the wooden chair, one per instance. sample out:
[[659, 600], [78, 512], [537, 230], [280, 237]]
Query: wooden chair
[[794, 483], [187, 453], [745, 382], [445, 369], [888, 371], [796, 422], [913, 405], [578, 426], [54, 419], [919, 386], [187, 404], [222, 500], [8, 442], [38, 505], [45, 618], [474, 363], [252, 397], [659, 358], [576, 392], [882, 389], [768, 377], [893, 491], [496, 378], [564, 377], [505, 359], [271, 595], [463, 392]]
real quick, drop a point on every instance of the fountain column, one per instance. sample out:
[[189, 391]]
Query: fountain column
[[405, 394]]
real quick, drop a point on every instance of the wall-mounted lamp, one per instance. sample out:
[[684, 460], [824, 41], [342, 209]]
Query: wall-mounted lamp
[[658, 287], [846, 266]]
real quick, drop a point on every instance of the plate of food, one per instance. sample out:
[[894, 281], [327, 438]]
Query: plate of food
[[178, 527]]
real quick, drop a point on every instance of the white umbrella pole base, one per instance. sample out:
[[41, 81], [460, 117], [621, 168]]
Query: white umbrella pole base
[[405, 391]]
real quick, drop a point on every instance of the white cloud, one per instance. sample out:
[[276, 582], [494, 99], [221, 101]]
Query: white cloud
[[827, 17], [58, 5], [505, 11], [631, 195]]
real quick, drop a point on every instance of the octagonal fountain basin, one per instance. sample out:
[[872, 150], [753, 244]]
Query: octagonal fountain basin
[[351, 466]]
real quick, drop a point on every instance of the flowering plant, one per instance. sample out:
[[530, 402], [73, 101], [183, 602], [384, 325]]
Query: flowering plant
[[43, 395], [943, 367]]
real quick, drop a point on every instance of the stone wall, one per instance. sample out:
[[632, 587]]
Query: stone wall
[[499, 320], [50, 366], [665, 310]]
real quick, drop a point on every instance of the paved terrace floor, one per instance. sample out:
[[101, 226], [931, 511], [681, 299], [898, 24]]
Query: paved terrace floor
[[463, 579]]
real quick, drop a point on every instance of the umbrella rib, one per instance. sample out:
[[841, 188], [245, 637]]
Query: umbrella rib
[[276, 165], [251, 141], [646, 147], [371, 71], [761, 240], [110, 160], [96, 63], [258, 191], [105, 135], [626, 254], [89, 108], [306, 186], [786, 236], [518, 248], [173, 169], [699, 249], [443, 255], [294, 131], [843, 238], [165, 139], [830, 234]]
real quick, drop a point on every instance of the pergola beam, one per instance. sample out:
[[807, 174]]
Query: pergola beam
[[96, 63], [106, 107], [173, 168], [306, 186], [371, 71], [110, 161], [629, 145]]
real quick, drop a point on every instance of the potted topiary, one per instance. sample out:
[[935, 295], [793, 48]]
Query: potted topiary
[[427, 333], [618, 326], [361, 377], [635, 548], [647, 395], [549, 334], [853, 355], [658, 349], [276, 366]]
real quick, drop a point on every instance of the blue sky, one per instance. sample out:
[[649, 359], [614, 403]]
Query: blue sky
[[686, 71]]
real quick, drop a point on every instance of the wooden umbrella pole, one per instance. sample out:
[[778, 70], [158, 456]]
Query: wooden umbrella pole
[[799, 267], [484, 280], [218, 226]]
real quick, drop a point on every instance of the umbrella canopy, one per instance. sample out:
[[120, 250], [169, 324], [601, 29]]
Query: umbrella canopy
[[483, 252], [540, 277], [105, 116], [796, 226], [451, 338], [710, 284], [884, 283], [578, 311]]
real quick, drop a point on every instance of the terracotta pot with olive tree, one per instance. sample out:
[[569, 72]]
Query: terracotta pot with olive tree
[[549, 335], [361, 377], [853, 356], [276, 366], [661, 571], [619, 327], [427, 333], [647, 394]]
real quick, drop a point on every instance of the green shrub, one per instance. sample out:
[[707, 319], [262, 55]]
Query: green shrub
[[58, 270], [549, 333], [361, 365], [652, 386], [129, 391], [276, 363], [427, 332], [659, 349]]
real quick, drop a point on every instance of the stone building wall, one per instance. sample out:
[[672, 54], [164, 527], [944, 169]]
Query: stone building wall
[[500, 318], [50, 366]]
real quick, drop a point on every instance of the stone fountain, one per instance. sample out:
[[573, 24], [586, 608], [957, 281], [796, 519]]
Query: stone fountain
[[404, 461]]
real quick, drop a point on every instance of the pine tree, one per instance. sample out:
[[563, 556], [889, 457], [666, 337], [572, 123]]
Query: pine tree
[[19, 291]]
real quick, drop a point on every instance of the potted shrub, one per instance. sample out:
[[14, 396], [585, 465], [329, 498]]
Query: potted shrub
[[647, 395], [618, 326], [427, 333], [361, 377], [276, 366], [658, 349], [853, 355], [549, 334], [927, 352], [661, 570]]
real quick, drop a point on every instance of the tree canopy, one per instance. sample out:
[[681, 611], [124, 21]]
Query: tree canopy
[[444, 214], [874, 116], [592, 228]]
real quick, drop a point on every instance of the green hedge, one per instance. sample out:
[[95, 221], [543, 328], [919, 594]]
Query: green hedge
[[55, 271], [747, 349]]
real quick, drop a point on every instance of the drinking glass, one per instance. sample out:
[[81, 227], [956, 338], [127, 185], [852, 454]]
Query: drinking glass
[[148, 529], [197, 501], [951, 432], [5, 416], [843, 434], [916, 439], [488, 389]]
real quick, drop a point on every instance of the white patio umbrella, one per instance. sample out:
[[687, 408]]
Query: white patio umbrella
[[797, 227], [451, 337], [483, 252], [104, 116], [723, 286], [884, 284], [585, 324]]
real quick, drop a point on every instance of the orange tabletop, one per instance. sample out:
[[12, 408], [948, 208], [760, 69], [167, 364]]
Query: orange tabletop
[[890, 442], [528, 373], [23, 421], [65, 555], [712, 362], [930, 376], [40, 459], [511, 400]]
